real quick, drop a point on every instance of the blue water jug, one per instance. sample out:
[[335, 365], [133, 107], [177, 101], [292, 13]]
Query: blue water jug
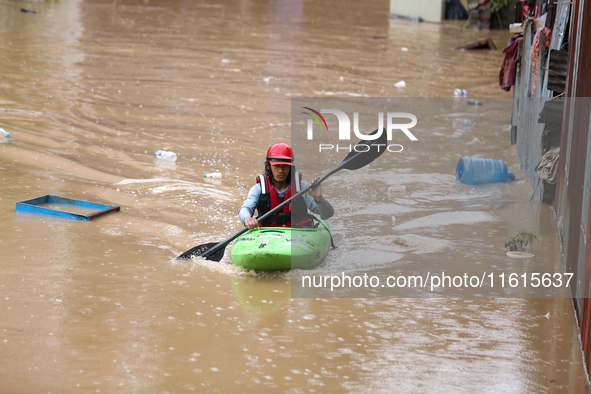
[[476, 171]]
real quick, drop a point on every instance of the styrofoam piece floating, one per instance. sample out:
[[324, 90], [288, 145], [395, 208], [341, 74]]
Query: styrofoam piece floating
[[34, 205], [520, 255]]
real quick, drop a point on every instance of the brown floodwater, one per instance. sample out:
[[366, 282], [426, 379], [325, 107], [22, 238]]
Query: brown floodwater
[[90, 89]]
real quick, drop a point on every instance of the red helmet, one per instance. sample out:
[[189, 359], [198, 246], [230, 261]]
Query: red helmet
[[280, 153]]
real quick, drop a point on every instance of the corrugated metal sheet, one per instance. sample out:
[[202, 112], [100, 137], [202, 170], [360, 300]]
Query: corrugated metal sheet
[[533, 136], [557, 68], [529, 131]]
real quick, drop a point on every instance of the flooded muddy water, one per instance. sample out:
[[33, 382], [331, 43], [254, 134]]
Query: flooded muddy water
[[91, 89]]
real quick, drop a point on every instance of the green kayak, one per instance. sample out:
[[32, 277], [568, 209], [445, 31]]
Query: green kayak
[[281, 248]]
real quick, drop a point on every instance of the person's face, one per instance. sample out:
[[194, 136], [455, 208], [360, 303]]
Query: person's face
[[280, 172]]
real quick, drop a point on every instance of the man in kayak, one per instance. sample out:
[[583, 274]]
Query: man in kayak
[[278, 185]]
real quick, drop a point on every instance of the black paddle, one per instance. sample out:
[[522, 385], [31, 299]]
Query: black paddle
[[362, 154]]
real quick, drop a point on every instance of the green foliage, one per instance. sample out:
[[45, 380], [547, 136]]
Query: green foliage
[[497, 5], [521, 240]]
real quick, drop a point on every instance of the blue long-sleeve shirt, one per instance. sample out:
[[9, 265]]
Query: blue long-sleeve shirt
[[323, 208]]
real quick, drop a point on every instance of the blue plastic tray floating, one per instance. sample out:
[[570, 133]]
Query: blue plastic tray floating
[[34, 206]]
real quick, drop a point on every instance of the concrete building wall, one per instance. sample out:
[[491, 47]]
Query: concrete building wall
[[429, 10]]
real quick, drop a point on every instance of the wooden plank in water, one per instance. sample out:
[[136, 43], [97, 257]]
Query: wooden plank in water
[[480, 44]]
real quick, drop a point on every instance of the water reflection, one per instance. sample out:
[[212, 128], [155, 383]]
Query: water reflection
[[259, 297]]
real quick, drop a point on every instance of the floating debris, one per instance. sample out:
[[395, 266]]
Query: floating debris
[[481, 44], [20, 111]]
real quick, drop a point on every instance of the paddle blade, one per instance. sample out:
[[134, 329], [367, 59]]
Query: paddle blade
[[199, 251], [366, 151]]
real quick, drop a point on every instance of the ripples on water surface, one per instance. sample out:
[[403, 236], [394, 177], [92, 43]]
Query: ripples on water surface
[[93, 88]]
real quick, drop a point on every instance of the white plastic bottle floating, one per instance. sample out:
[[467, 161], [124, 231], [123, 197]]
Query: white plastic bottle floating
[[213, 175], [462, 123], [400, 84], [4, 133], [165, 155], [460, 93]]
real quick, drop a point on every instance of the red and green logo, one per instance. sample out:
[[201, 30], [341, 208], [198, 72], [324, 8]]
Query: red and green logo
[[316, 119]]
